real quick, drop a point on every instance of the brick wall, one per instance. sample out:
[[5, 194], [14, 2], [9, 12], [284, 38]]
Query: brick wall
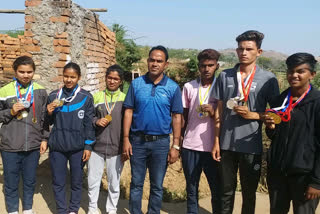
[[57, 32]]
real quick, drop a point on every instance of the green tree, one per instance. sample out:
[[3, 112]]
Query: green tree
[[127, 52]]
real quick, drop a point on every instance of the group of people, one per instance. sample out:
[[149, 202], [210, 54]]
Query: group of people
[[216, 126]]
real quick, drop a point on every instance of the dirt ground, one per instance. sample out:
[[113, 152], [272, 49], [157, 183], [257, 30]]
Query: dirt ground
[[44, 202]]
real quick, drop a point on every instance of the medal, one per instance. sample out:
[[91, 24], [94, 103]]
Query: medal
[[34, 120], [24, 114], [204, 100], [19, 116], [231, 103], [25, 103], [203, 114], [58, 102], [108, 117], [276, 118], [198, 109]]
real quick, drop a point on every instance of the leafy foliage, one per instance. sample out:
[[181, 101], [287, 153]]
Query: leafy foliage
[[13, 33], [127, 51]]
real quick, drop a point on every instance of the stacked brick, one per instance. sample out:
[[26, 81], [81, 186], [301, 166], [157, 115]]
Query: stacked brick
[[58, 31], [10, 49], [99, 50]]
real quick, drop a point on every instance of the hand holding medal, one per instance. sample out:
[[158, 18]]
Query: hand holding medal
[[283, 113], [204, 109]]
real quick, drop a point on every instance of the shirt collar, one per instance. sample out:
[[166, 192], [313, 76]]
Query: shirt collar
[[108, 93], [162, 82]]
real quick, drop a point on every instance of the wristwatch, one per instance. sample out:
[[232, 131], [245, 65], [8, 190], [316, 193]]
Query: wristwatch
[[176, 147]]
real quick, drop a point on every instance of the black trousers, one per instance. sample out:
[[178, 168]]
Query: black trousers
[[283, 189], [249, 166]]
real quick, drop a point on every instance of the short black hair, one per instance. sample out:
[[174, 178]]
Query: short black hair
[[23, 60], [301, 58], [116, 68], [251, 35], [208, 54], [160, 48], [73, 66]]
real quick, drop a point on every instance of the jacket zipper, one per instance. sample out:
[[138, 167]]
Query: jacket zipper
[[284, 160]]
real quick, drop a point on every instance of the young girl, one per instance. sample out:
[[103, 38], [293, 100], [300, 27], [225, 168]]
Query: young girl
[[71, 111], [293, 125], [22, 112], [107, 149]]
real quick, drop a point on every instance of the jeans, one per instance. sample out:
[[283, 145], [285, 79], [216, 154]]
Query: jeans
[[249, 166], [58, 162], [152, 155], [194, 162], [14, 165]]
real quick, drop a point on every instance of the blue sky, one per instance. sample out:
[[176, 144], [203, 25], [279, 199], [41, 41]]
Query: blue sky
[[289, 25]]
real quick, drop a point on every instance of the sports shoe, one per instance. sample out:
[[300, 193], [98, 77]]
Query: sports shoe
[[112, 212], [28, 212], [16, 212], [92, 211]]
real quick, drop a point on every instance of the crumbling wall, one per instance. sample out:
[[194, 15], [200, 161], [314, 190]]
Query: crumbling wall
[[59, 31]]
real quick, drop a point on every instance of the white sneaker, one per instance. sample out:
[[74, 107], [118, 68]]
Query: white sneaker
[[72, 213], [28, 212], [16, 212], [112, 212], [92, 211]]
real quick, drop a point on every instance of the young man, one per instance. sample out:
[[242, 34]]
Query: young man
[[152, 104], [198, 113], [294, 154], [242, 93], [23, 137], [108, 146]]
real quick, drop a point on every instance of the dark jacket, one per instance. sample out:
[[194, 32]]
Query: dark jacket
[[295, 147], [72, 123], [22, 135], [109, 138]]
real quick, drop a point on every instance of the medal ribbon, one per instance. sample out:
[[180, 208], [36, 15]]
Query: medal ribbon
[[206, 95], [71, 97], [109, 109], [29, 92], [284, 111], [246, 85]]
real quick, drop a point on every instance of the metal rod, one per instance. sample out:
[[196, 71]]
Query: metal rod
[[98, 10]]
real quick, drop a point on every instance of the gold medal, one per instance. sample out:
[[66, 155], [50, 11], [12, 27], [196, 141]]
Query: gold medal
[[203, 114], [19, 116], [34, 120], [58, 102], [24, 114], [276, 118], [198, 109], [108, 117]]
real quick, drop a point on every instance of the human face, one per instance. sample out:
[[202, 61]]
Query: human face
[[24, 74], [300, 76], [157, 63], [248, 52], [113, 81], [207, 68], [70, 78]]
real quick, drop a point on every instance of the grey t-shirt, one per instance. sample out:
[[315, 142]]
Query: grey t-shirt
[[236, 133]]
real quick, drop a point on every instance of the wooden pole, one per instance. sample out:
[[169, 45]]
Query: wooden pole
[[96, 10]]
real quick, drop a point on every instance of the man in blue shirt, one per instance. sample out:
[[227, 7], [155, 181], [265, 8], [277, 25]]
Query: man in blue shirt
[[152, 104]]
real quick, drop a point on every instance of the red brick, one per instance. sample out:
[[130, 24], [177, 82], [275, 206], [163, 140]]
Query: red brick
[[64, 42], [28, 41], [66, 12], [63, 57], [60, 64], [27, 26], [32, 48], [62, 35], [63, 19], [61, 49], [29, 19], [35, 41], [32, 3], [28, 33], [56, 79], [56, 42]]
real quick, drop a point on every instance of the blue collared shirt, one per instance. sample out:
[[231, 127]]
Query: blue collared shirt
[[153, 104]]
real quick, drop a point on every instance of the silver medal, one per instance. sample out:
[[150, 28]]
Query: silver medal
[[26, 103], [231, 104]]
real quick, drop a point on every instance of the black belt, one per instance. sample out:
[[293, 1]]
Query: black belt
[[150, 138]]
